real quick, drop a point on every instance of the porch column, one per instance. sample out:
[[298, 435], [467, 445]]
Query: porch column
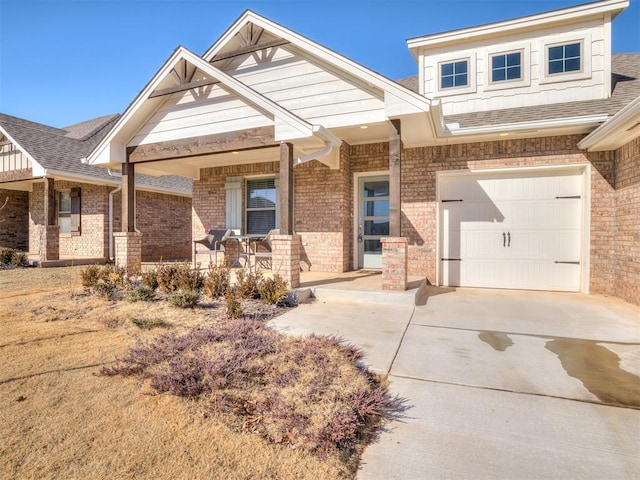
[[285, 258], [128, 243], [50, 238], [286, 189], [395, 162], [394, 263]]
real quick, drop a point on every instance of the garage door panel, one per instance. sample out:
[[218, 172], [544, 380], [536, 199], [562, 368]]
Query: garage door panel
[[512, 231]]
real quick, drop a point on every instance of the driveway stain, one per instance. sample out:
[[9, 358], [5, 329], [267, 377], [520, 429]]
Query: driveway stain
[[498, 341], [598, 368]]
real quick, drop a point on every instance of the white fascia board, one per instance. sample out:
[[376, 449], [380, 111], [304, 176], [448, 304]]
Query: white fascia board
[[362, 73], [617, 126], [546, 19], [36, 169], [100, 149], [584, 121]]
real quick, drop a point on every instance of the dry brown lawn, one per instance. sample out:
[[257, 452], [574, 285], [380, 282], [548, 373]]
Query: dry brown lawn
[[60, 419]]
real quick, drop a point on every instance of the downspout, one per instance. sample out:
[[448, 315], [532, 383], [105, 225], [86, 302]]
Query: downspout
[[330, 141], [111, 193]]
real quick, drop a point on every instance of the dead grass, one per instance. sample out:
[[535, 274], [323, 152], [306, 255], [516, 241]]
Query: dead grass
[[60, 419]]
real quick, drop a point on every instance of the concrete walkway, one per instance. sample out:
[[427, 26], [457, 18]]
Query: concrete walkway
[[499, 384]]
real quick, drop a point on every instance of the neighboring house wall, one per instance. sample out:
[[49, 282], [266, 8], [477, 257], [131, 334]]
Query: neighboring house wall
[[627, 249], [536, 87], [14, 220], [92, 241]]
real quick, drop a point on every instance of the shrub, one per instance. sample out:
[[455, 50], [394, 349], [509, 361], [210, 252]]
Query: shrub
[[107, 280], [140, 293], [274, 290], [234, 309], [217, 282], [11, 256], [184, 298], [150, 279], [5, 256], [173, 277], [248, 284], [304, 392]]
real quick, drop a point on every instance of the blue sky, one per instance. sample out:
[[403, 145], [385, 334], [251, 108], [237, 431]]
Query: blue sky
[[62, 62]]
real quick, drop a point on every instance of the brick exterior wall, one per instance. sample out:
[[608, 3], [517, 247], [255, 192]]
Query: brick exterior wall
[[165, 223], [627, 248], [14, 220]]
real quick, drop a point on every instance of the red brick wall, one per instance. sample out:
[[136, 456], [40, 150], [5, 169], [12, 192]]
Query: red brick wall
[[627, 248], [14, 220], [419, 208], [165, 224]]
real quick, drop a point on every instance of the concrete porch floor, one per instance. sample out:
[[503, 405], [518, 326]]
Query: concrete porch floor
[[65, 261]]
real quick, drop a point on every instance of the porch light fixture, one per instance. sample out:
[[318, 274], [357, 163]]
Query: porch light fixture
[[364, 127], [235, 152], [504, 134]]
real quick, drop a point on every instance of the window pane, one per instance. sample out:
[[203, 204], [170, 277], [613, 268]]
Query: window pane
[[513, 59], [513, 73], [261, 221], [461, 80], [556, 53], [461, 67], [376, 227], [572, 65], [261, 193], [376, 189], [372, 246], [64, 204], [446, 82], [446, 69], [379, 208], [497, 75], [497, 61], [65, 224], [572, 50], [555, 67]]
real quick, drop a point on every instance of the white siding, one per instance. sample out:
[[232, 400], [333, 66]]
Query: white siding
[[536, 89], [12, 158], [310, 90], [208, 110]]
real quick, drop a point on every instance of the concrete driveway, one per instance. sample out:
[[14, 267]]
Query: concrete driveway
[[498, 384]]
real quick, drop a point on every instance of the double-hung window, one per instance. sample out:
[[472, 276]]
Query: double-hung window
[[565, 58], [64, 212], [454, 74], [261, 204], [506, 67]]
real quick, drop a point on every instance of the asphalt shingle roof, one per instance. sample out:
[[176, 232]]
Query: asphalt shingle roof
[[625, 86], [60, 149]]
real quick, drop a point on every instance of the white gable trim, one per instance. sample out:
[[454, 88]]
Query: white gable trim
[[287, 125], [37, 170], [414, 103], [623, 127]]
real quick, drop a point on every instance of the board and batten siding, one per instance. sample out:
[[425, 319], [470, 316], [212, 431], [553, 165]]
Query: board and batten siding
[[204, 111], [11, 158], [535, 89], [309, 89]]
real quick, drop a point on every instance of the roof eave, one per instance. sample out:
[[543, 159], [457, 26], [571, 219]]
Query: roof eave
[[624, 121]]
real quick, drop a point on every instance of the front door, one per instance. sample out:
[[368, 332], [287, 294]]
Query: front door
[[373, 219]]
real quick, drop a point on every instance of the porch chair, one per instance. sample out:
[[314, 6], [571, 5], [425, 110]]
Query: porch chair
[[213, 243], [261, 249]]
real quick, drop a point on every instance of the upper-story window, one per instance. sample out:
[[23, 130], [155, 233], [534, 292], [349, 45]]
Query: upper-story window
[[564, 58], [454, 74], [506, 66]]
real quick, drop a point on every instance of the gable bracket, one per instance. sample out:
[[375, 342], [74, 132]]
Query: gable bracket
[[250, 49]]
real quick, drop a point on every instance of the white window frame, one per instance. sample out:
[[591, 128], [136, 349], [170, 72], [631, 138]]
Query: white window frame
[[471, 75], [525, 68], [245, 207], [585, 59]]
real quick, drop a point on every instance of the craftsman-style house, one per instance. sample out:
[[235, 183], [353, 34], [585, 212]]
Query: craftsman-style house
[[512, 159]]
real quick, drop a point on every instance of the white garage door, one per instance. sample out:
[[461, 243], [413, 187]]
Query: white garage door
[[519, 231]]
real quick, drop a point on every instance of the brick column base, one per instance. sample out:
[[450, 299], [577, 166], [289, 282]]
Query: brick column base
[[285, 258], [128, 250], [394, 263], [50, 246], [231, 253]]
